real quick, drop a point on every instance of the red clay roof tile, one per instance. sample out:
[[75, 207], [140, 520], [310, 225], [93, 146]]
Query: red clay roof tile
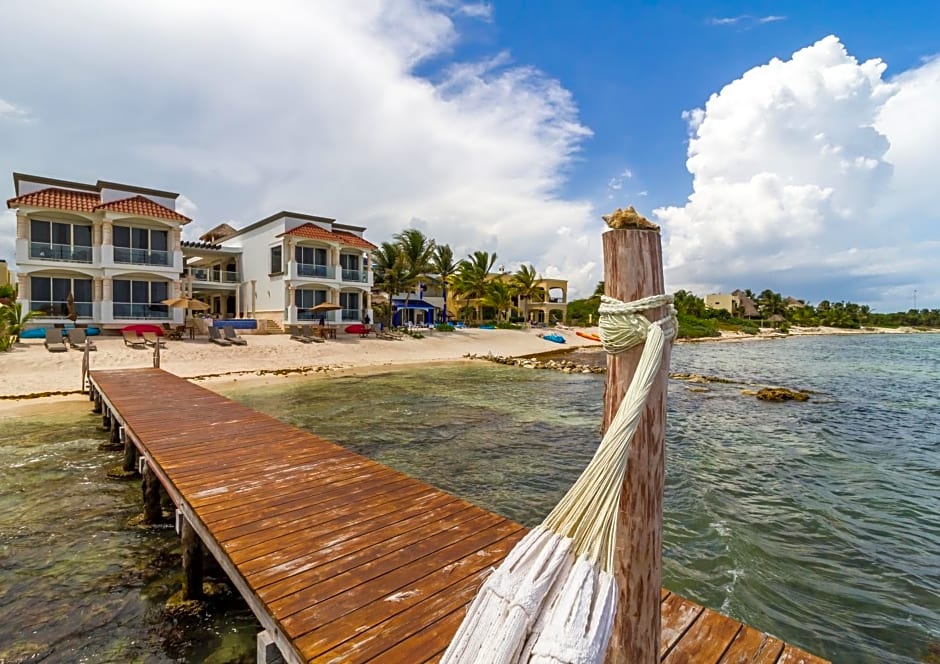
[[61, 199], [142, 206], [314, 232]]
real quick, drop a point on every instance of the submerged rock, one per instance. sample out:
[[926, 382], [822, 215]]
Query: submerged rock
[[781, 394]]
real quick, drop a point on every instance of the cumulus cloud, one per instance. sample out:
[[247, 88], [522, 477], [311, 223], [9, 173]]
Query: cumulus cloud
[[801, 172], [313, 108]]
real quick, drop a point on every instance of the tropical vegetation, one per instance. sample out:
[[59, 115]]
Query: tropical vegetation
[[13, 320]]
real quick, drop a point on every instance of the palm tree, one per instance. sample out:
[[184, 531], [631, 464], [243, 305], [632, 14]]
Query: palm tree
[[499, 296], [391, 272], [599, 289], [444, 267], [473, 274], [524, 284], [15, 319], [418, 251], [771, 303]]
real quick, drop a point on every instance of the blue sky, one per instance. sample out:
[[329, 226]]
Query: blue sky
[[512, 127]]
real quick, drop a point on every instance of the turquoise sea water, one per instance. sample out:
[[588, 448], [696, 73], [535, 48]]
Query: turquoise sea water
[[818, 522]]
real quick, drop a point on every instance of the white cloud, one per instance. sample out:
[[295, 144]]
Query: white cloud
[[9, 111], [811, 177], [313, 107], [746, 21]]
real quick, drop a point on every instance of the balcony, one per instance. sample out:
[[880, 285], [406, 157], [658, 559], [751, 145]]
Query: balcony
[[359, 276], [210, 276], [60, 252], [141, 256], [316, 271], [350, 314], [60, 309], [128, 310]]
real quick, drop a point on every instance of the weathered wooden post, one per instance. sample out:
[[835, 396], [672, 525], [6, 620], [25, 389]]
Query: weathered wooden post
[[130, 455], [156, 354], [97, 407], [106, 420], [192, 563], [150, 485], [633, 269]]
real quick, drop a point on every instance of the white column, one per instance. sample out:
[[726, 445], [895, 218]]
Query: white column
[[22, 226], [22, 290], [238, 300], [291, 306], [107, 243]]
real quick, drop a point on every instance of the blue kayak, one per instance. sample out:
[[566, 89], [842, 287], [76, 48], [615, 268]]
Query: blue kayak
[[557, 338]]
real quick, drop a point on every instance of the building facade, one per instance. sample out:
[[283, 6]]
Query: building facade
[[107, 253], [110, 254]]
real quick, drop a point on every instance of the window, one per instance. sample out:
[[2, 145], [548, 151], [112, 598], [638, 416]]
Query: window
[[141, 246], [349, 300], [349, 261], [137, 298], [58, 240], [307, 298], [49, 295], [277, 261]]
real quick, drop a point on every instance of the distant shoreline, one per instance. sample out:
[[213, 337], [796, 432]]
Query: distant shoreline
[[815, 331]]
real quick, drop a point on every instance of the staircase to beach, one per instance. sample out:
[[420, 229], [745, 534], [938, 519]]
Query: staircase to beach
[[268, 326]]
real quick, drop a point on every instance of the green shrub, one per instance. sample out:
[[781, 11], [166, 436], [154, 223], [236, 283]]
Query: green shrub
[[691, 327], [444, 327], [785, 328], [503, 325], [750, 328]]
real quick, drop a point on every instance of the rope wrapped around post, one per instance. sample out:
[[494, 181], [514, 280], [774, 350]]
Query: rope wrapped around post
[[553, 599]]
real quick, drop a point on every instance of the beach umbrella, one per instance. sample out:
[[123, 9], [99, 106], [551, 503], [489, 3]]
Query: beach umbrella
[[185, 303], [70, 303], [326, 306], [554, 598]]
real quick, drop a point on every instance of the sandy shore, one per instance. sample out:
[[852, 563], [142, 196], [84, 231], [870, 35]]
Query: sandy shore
[[30, 370], [34, 381]]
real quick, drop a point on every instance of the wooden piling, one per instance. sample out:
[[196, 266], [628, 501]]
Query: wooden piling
[[96, 409], [106, 420], [633, 269], [192, 563], [130, 456], [153, 510]]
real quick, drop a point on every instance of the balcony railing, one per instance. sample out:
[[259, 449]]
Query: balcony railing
[[313, 270], [350, 314], [128, 310], [60, 309], [355, 275], [209, 275], [306, 314], [141, 256], [60, 252]]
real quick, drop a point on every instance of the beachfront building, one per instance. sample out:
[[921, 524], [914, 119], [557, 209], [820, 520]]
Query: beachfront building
[[105, 253], [552, 306], [722, 301], [291, 263], [6, 274]]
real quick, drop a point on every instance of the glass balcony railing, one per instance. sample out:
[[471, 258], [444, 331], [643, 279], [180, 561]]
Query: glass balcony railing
[[208, 275], [313, 270], [141, 256], [60, 309], [350, 314], [129, 310], [60, 252], [306, 314], [355, 275]]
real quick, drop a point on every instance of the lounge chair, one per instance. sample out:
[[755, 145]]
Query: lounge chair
[[173, 333], [306, 333], [54, 342], [151, 339], [216, 338], [133, 340], [295, 334], [77, 339], [232, 336]]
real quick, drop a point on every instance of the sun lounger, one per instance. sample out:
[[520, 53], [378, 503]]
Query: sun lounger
[[306, 333], [296, 335], [78, 339], [173, 333], [216, 338], [133, 340], [151, 339], [230, 334], [54, 342]]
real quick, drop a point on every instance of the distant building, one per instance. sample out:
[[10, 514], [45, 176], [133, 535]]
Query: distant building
[[726, 301], [793, 303], [746, 307], [6, 275]]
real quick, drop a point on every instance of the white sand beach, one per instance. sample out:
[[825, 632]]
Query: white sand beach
[[30, 370]]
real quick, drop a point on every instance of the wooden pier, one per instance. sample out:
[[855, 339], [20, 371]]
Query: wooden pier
[[340, 558]]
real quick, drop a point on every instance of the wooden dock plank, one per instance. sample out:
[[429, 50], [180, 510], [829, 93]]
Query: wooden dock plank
[[339, 557]]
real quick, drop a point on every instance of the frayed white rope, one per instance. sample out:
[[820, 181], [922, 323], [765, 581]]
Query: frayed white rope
[[553, 599]]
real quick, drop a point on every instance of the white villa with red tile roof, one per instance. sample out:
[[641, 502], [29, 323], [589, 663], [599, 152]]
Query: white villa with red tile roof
[[117, 249]]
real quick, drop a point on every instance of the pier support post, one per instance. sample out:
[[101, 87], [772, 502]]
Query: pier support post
[[106, 420], [153, 511], [192, 563], [268, 653], [96, 409], [115, 434], [633, 269], [130, 456]]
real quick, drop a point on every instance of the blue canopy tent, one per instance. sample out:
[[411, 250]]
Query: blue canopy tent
[[417, 304]]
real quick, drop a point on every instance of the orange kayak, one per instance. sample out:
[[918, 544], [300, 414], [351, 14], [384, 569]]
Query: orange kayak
[[587, 335]]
